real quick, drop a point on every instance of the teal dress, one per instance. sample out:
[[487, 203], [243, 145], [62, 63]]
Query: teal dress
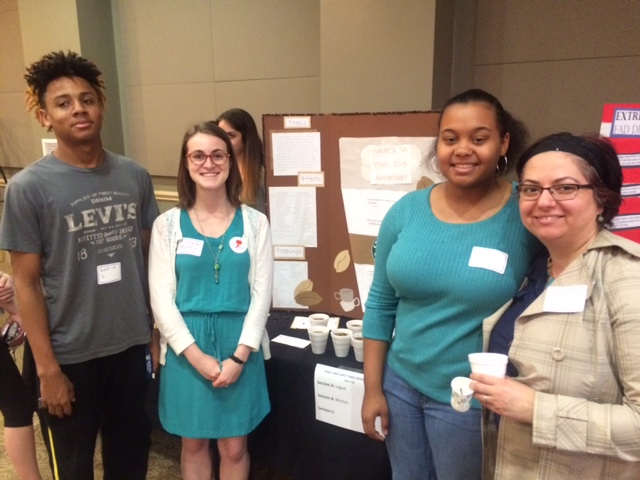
[[189, 405]]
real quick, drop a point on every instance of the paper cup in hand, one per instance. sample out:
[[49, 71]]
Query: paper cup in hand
[[461, 394], [494, 364]]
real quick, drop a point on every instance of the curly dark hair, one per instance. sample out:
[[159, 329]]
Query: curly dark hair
[[55, 65]]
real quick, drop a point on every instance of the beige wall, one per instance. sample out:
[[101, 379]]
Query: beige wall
[[170, 63], [174, 62], [376, 56], [555, 63], [182, 65], [16, 136]]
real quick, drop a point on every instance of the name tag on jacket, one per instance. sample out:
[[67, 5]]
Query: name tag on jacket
[[569, 299]]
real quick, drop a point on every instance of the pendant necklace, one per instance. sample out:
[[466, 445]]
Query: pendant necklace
[[216, 256]]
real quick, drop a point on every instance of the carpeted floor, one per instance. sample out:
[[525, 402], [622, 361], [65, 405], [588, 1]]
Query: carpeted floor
[[164, 459]]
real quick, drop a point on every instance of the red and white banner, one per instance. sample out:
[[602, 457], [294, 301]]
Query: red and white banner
[[621, 123]]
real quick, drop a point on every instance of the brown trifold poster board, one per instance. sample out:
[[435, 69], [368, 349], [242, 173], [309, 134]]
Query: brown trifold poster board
[[330, 180]]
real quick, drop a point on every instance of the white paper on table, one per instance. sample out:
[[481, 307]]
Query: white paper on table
[[295, 152], [291, 341], [303, 323], [339, 395], [333, 323], [293, 216]]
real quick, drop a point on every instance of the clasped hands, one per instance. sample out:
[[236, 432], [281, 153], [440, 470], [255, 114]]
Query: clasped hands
[[221, 374]]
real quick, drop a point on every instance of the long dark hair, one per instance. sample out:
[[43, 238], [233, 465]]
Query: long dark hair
[[253, 162]]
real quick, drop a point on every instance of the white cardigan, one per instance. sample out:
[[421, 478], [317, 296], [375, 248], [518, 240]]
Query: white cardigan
[[165, 238]]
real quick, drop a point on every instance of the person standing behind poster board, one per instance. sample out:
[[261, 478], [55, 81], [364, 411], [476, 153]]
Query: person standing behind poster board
[[249, 151], [447, 257]]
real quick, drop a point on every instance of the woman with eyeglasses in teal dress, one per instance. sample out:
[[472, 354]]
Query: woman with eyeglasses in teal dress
[[210, 279]]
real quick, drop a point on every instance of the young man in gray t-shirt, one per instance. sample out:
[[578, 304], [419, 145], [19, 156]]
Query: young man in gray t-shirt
[[77, 226]]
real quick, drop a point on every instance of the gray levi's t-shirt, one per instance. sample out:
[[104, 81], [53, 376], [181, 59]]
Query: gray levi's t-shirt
[[86, 225]]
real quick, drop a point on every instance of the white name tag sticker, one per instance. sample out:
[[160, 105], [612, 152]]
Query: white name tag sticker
[[565, 299], [489, 259], [109, 273], [190, 246], [238, 244]]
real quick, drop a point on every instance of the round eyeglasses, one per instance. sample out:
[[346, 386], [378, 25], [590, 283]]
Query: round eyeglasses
[[560, 193], [199, 158]]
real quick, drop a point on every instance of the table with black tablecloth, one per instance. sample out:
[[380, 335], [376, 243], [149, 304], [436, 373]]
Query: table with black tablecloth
[[290, 440]]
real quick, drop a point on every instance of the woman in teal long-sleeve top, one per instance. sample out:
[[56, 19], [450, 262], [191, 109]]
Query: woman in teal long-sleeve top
[[447, 257]]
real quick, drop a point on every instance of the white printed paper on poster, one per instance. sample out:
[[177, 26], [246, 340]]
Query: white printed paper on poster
[[375, 173], [365, 209], [364, 277], [293, 217], [295, 152], [286, 275]]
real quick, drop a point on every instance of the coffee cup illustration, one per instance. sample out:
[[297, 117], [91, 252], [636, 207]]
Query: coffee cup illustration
[[348, 306], [345, 294], [347, 301]]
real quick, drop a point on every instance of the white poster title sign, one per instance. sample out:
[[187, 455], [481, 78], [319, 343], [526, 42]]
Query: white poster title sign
[[390, 164]]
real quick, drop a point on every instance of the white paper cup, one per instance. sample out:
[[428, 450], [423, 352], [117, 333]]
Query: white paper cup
[[358, 346], [341, 338], [318, 319], [319, 336], [494, 364], [461, 393], [355, 325]]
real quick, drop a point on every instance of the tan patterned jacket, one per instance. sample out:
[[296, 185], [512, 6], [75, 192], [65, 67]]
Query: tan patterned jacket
[[585, 368]]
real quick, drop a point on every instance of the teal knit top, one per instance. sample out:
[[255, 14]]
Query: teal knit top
[[424, 287]]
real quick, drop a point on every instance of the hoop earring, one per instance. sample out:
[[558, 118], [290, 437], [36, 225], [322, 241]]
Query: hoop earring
[[502, 171], [433, 163]]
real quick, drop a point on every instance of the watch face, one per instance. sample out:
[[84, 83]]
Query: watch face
[[12, 333], [374, 245]]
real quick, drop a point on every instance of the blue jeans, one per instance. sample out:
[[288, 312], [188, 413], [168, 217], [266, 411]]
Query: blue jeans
[[428, 439]]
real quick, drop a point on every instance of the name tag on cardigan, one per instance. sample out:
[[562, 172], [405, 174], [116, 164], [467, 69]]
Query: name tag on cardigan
[[489, 259], [565, 299], [190, 246]]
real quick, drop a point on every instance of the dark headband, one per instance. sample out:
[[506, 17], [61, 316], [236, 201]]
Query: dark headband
[[564, 143], [568, 143]]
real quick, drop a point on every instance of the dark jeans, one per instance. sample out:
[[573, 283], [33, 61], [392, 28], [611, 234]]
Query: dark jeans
[[110, 399]]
